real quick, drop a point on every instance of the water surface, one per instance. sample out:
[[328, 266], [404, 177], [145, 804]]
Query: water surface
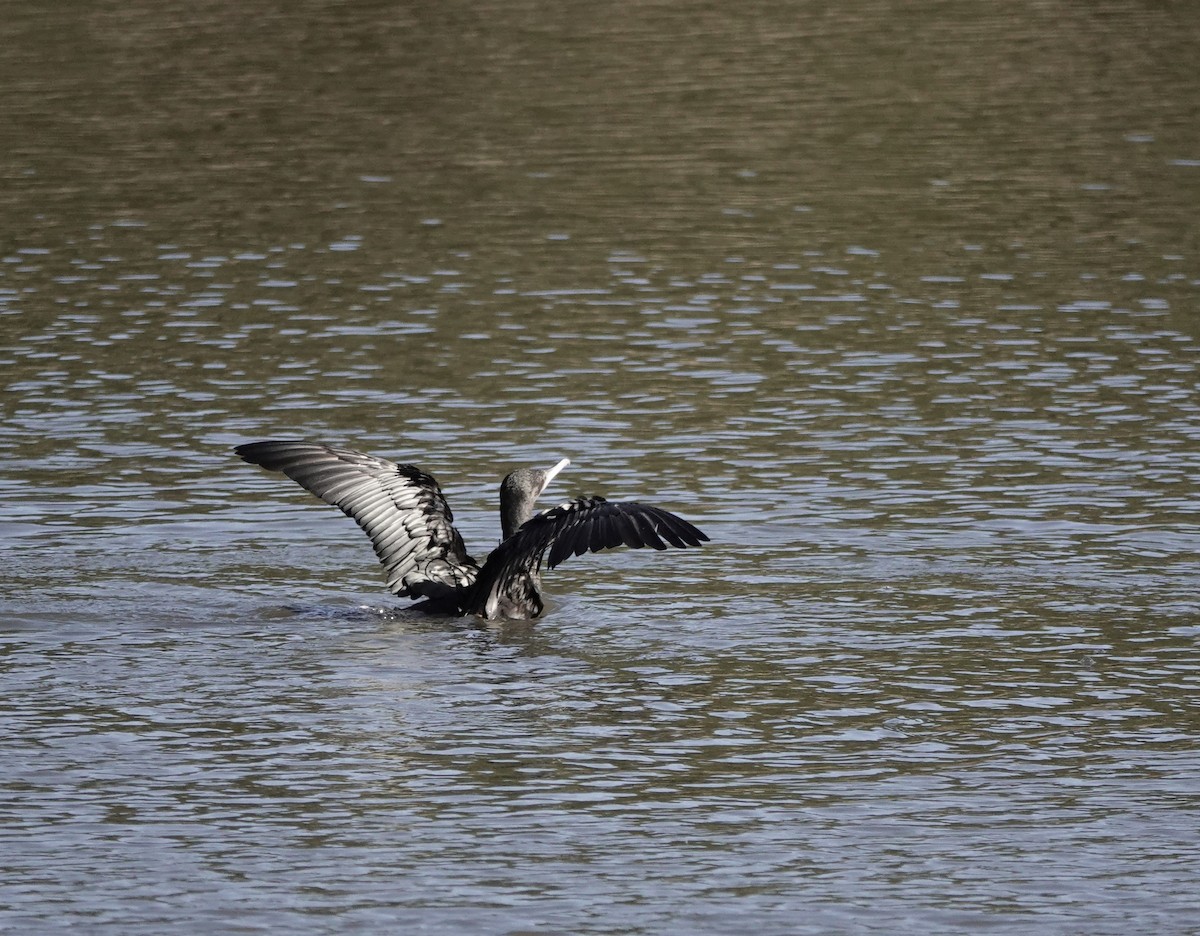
[[899, 306]]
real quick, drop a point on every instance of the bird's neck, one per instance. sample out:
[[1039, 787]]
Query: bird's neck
[[513, 513]]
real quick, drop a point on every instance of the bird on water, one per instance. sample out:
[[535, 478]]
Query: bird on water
[[403, 511]]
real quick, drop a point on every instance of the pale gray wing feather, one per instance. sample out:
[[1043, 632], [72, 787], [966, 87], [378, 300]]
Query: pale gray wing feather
[[400, 507]]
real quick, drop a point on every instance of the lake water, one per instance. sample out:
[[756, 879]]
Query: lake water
[[901, 306]]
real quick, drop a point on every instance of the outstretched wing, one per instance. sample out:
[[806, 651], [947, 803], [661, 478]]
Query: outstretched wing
[[399, 506], [588, 524]]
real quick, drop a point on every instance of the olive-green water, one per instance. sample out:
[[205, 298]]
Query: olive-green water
[[899, 302]]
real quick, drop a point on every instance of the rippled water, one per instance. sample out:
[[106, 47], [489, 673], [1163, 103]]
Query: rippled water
[[901, 310]]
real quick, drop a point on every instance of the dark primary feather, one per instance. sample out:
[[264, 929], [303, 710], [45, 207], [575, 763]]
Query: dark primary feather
[[400, 507], [588, 524], [593, 524]]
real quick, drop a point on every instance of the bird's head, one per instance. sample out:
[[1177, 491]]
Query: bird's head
[[520, 491]]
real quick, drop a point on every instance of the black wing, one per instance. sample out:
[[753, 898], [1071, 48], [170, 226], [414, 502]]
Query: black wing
[[399, 506], [588, 524]]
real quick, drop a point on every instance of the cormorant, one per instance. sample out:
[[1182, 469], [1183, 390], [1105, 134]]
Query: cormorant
[[403, 511]]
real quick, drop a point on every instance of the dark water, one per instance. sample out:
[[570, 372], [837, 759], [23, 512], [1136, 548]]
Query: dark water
[[900, 305]]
